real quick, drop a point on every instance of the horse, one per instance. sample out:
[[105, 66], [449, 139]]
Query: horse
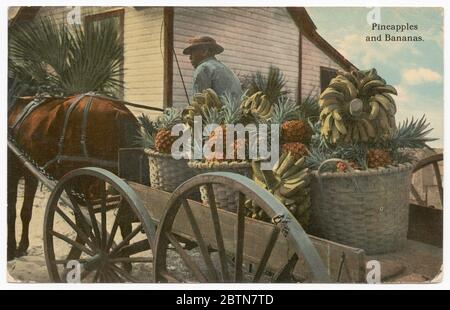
[[62, 134]]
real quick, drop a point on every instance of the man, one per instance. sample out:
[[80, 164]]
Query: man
[[209, 72]]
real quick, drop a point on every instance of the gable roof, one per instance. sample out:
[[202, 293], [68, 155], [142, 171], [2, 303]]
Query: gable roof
[[308, 29]]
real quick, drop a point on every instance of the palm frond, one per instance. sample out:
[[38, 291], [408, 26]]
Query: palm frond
[[273, 85], [309, 107], [147, 132], [67, 61]]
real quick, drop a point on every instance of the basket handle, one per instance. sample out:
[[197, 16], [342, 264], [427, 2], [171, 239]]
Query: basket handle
[[334, 160]]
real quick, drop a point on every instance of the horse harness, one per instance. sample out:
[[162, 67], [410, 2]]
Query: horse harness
[[60, 157]]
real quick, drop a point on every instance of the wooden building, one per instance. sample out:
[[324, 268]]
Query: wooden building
[[253, 38]]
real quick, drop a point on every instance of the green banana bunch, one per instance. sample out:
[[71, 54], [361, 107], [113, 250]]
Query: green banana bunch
[[357, 106], [289, 182], [200, 102], [257, 106]]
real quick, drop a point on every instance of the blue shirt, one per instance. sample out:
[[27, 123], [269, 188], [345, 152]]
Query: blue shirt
[[211, 73]]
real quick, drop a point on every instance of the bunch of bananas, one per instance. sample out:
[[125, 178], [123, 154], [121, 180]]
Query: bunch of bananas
[[257, 106], [357, 107], [288, 181], [200, 103]]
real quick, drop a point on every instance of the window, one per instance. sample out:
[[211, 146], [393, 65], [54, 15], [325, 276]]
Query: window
[[326, 74], [118, 17]]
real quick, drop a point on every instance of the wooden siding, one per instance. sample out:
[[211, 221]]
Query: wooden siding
[[143, 54], [253, 38], [312, 59]]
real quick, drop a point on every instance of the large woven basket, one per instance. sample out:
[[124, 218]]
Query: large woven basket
[[365, 209], [225, 197], [167, 173]]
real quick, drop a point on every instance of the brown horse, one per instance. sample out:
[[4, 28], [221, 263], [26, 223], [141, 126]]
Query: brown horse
[[108, 126]]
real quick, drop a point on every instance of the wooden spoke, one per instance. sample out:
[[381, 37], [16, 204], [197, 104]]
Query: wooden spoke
[[133, 248], [66, 261], [131, 260], [197, 272], [85, 273], [170, 278], [113, 275], [103, 215], [416, 195], [218, 232], [78, 230], [79, 215], [239, 254], [212, 272], [126, 239], [124, 274], [437, 173], [266, 255], [96, 276], [94, 222], [114, 228], [72, 242]]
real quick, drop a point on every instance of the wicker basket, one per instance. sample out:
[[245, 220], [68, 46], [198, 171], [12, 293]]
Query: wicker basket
[[225, 197], [167, 173], [365, 209]]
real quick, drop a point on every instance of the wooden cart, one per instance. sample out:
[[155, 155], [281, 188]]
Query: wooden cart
[[176, 238]]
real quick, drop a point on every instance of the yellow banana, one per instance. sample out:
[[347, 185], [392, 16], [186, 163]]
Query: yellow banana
[[385, 103], [384, 122], [328, 110], [369, 128], [362, 132], [288, 162], [328, 101], [340, 126], [355, 134], [334, 134], [332, 93], [328, 123], [371, 85], [375, 109], [336, 115]]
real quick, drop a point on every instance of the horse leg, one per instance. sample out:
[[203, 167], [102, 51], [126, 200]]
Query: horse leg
[[125, 229], [14, 175], [31, 184]]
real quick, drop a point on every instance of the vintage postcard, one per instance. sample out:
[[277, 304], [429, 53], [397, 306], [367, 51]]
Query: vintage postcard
[[225, 144]]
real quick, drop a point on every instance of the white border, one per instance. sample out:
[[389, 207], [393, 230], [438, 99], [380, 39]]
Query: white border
[[187, 287]]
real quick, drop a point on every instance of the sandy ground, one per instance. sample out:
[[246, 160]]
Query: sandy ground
[[31, 268]]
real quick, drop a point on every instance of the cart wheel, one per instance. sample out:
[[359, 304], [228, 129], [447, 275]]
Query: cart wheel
[[82, 244], [431, 160], [224, 237]]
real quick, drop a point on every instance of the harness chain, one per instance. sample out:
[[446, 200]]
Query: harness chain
[[41, 169]]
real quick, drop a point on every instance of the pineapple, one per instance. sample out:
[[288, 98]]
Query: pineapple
[[292, 128], [164, 139], [378, 158], [296, 131], [342, 167], [230, 113], [297, 149]]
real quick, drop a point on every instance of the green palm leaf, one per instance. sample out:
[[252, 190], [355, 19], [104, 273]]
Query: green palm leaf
[[65, 61]]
